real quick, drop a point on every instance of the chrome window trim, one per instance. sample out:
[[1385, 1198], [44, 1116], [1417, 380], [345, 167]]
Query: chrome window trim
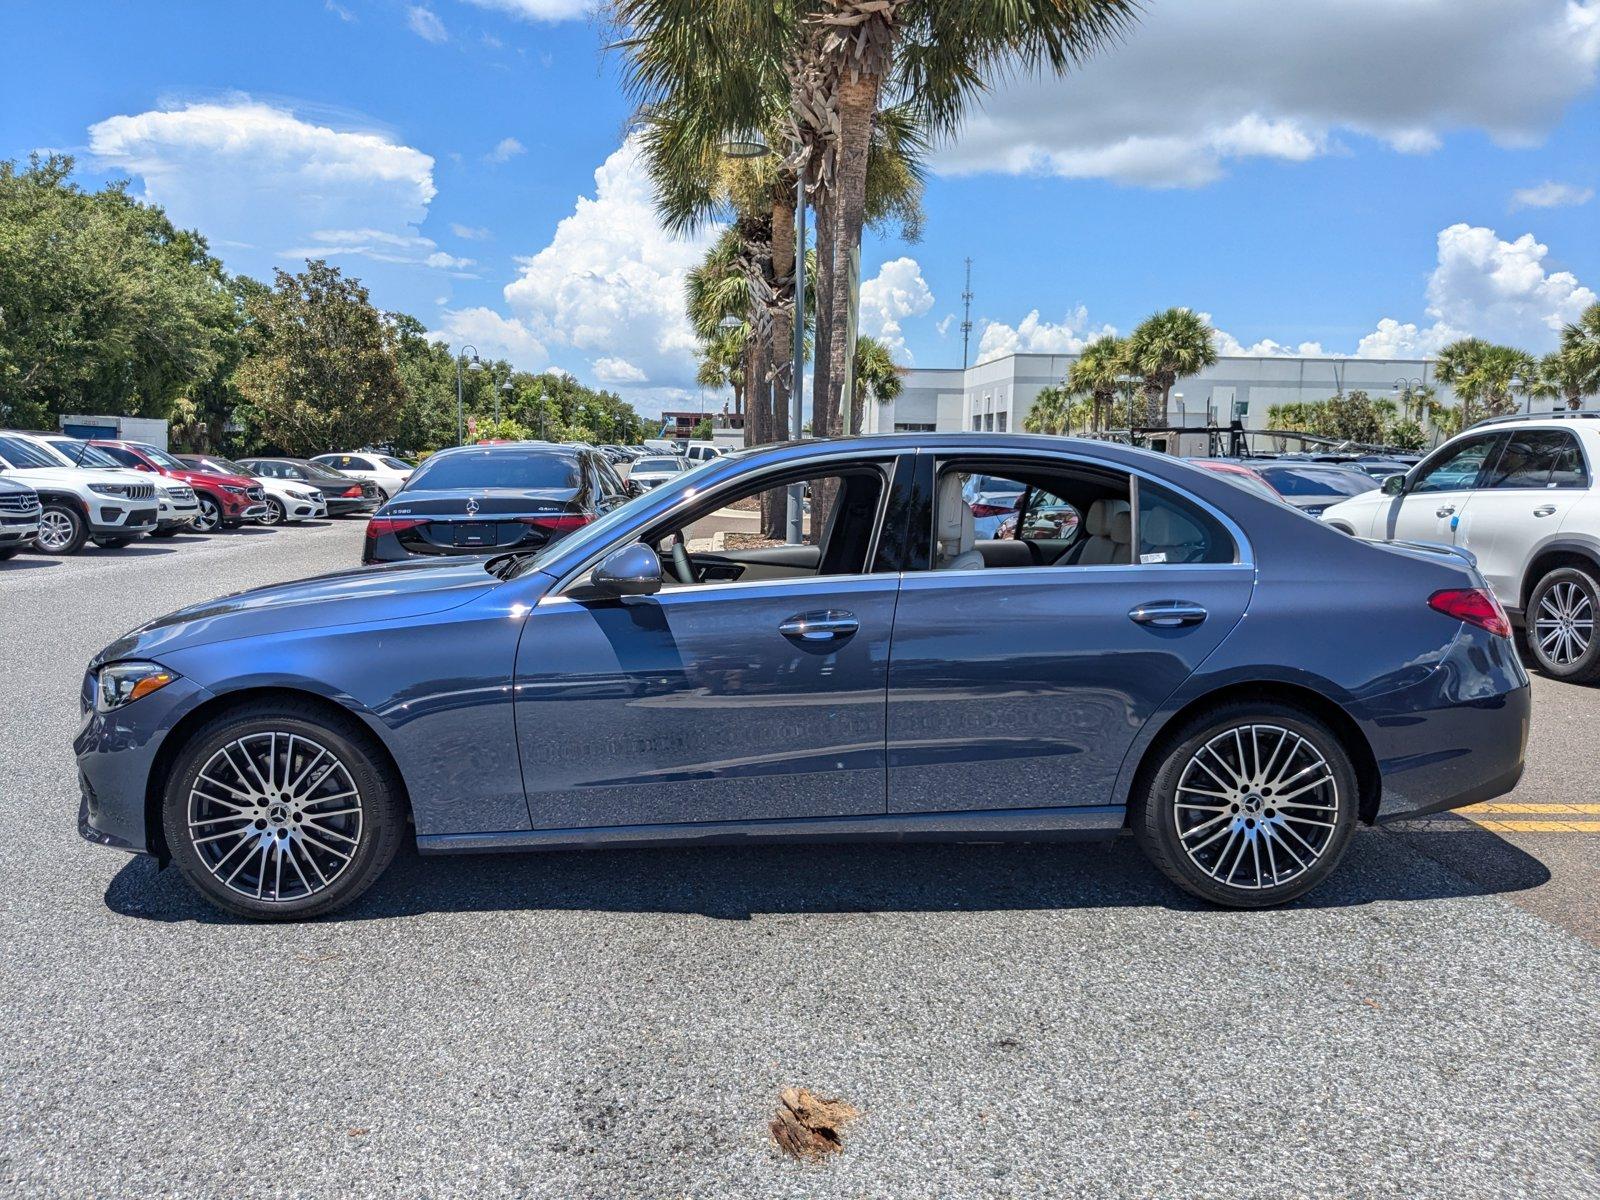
[[1244, 552], [882, 458]]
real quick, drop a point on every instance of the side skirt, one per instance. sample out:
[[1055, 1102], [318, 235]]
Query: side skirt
[[988, 825]]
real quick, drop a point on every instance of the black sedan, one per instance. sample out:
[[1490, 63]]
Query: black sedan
[[1308, 485], [513, 497], [344, 493]]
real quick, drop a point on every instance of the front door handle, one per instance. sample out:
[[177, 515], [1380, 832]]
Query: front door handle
[[1544, 510], [1445, 511], [814, 627], [1167, 614]]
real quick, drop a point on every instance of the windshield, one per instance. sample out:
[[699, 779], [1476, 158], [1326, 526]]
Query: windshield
[[656, 464], [1310, 481], [225, 466], [24, 456], [494, 468], [82, 454], [162, 459]]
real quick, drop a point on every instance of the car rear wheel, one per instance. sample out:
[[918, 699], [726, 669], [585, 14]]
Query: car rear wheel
[[1561, 625], [275, 812], [1249, 806], [210, 516], [62, 529], [274, 514]]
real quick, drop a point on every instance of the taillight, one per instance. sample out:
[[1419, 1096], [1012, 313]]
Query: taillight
[[354, 492], [991, 510], [1475, 606], [379, 526], [557, 522]]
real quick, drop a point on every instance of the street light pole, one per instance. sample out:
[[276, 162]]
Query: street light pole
[[795, 533]]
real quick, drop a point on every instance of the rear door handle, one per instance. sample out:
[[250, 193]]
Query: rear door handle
[[1167, 614], [1445, 511], [1544, 510], [814, 627]]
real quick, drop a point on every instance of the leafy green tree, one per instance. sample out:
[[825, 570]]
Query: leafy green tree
[[1095, 374], [1058, 409], [105, 306], [876, 377], [1480, 374], [1580, 352], [321, 371], [1165, 347]]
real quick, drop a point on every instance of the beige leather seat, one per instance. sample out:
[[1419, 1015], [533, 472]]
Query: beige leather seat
[[954, 528], [1109, 526]]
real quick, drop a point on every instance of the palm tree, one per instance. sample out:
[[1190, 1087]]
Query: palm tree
[[936, 55], [1559, 376], [1477, 370], [716, 290], [1102, 363], [876, 377], [1165, 347], [1580, 352]]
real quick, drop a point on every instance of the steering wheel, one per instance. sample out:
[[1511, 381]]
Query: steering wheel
[[681, 566]]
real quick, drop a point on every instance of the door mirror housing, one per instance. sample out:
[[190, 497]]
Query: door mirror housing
[[634, 570], [1395, 485]]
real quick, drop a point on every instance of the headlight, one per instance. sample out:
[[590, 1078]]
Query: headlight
[[301, 495], [237, 491], [109, 489], [123, 683]]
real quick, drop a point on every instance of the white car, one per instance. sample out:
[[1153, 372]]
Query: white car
[[176, 503], [287, 499], [389, 473], [77, 504], [656, 469], [1519, 494]]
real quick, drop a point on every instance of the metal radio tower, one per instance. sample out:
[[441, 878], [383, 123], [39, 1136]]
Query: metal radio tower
[[966, 315]]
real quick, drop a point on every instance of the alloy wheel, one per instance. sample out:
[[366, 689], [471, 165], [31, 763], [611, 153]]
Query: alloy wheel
[[1564, 626], [56, 531], [275, 816], [1257, 806], [210, 516], [274, 514]]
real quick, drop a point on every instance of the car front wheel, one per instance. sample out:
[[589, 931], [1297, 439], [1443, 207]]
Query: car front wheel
[[1560, 619], [275, 812], [274, 514], [62, 529], [1249, 806], [210, 515]]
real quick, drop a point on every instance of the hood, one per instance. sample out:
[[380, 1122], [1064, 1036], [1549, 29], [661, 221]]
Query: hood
[[364, 594], [489, 502], [76, 477], [215, 478]]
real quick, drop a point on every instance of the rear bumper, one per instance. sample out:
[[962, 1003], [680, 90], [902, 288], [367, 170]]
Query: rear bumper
[[1459, 737]]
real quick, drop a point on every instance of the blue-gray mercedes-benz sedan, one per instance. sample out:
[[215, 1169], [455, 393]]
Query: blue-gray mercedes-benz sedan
[[1233, 681]]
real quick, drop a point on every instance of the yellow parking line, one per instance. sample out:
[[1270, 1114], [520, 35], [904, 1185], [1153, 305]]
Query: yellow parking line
[[1538, 826], [1539, 810]]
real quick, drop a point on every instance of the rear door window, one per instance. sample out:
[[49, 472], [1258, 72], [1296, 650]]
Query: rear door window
[[1539, 458]]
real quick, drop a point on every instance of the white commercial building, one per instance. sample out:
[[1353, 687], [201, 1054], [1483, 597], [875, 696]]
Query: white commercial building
[[996, 395]]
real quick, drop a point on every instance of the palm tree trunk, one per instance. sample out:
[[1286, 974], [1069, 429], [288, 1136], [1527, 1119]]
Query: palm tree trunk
[[822, 362], [784, 314], [858, 101]]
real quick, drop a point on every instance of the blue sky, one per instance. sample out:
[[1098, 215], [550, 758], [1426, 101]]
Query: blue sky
[[1347, 177]]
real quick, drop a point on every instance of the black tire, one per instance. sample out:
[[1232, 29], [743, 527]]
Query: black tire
[[62, 529], [1289, 854], [275, 515], [377, 826], [8, 552], [112, 543], [209, 519], [1560, 625], [164, 532]]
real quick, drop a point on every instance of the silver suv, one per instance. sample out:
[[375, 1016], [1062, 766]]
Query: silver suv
[[19, 517], [1520, 494]]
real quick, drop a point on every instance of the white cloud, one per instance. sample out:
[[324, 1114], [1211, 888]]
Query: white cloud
[[1228, 345], [425, 23], [1196, 84], [494, 336], [1035, 336], [472, 233], [257, 174], [540, 10], [506, 149], [896, 292], [1551, 195], [380, 246], [340, 11], [609, 287], [944, 323]]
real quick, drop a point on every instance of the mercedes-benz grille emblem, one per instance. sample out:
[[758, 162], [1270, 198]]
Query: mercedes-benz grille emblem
[[472, 508]]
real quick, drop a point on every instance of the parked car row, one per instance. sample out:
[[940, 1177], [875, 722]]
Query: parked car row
[[112, 491]]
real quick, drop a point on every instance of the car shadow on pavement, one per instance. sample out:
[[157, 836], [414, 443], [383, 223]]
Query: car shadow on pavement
[[27, 564], [734, 883]]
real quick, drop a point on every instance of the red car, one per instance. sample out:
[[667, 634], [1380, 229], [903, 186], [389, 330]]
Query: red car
[[226, 501]]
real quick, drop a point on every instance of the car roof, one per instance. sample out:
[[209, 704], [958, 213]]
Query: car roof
[[504, 446]]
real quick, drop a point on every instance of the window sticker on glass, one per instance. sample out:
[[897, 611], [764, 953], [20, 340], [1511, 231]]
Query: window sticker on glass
[[1159, 556]]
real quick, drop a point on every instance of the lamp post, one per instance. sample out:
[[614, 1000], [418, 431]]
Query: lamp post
[[507, 389], [472, 364], [752, 144], [1515, 385]]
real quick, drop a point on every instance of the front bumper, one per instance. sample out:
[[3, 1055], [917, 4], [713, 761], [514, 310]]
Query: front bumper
[[110, 520], [116, 752], [18, 533]]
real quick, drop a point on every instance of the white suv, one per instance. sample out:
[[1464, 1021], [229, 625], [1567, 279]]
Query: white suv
[[1520, 494], [112, 507]]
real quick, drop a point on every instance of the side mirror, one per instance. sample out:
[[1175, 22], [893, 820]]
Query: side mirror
[[1395, 485], [634, 570]]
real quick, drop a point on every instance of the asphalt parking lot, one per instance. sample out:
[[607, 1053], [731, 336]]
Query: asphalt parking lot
[[1012, 1021]]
